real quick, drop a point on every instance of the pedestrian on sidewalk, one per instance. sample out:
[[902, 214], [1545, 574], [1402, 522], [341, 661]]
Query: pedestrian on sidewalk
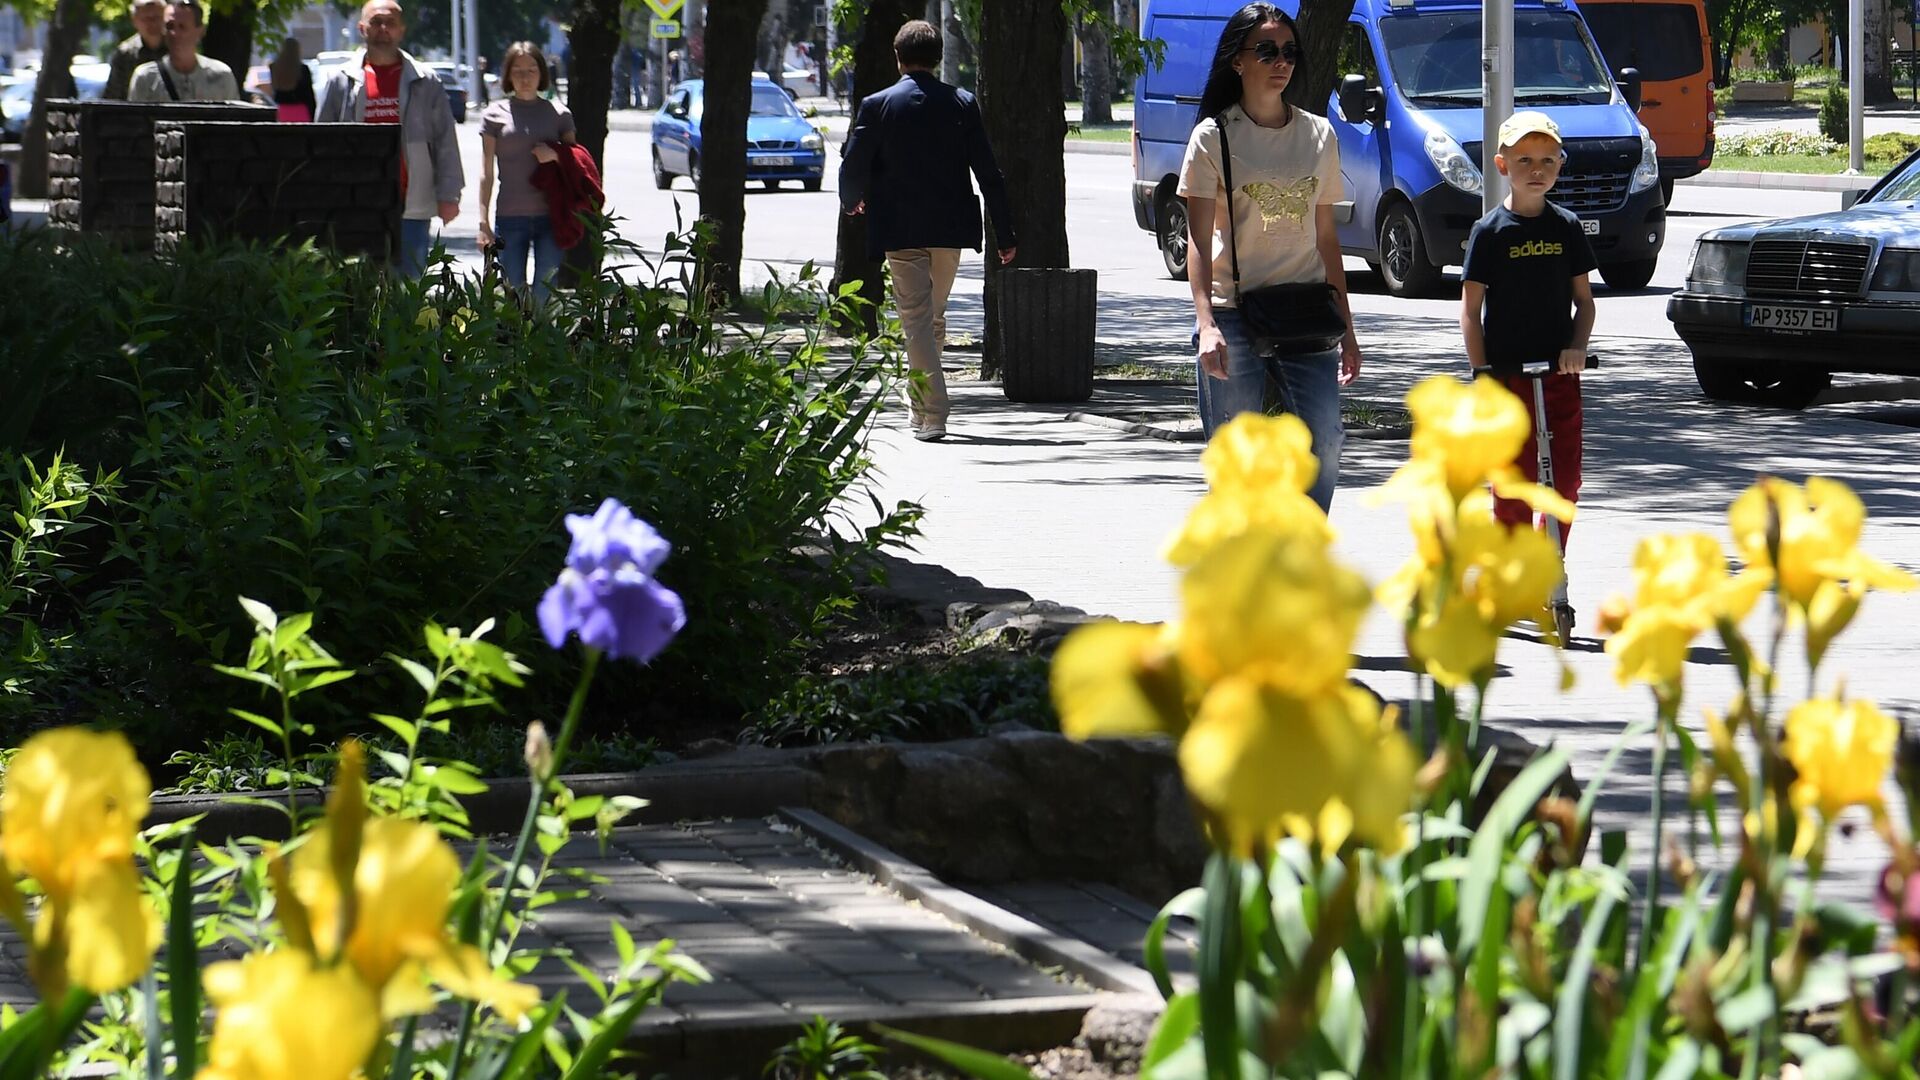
[[1524, 298], [148, 44], [293, 95], [517, 135], [382, 84], [905, 166], [1260, 179], [183, 74]]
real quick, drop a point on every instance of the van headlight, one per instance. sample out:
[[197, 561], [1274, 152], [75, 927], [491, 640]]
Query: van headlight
[[1647, 173], [1719, 266], [1899, 271], [811, 141], [1452, 162]]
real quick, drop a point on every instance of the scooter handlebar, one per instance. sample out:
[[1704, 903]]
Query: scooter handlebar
[[1540, 368]]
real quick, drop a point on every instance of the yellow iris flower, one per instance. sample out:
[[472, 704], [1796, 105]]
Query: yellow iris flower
[[69, 813], [394, 934], [1819, 537], [1841, 751], [1258, 470], [1276, 607], [1118, 680], [281, 1018], [1263, 761], [1681, 588]]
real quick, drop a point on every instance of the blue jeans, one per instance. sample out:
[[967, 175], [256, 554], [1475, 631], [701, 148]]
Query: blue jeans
[[416, 242], [520, 235], [1306, 385]]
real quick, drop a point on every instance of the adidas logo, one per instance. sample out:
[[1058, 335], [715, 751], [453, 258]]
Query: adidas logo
[[1536, 247]]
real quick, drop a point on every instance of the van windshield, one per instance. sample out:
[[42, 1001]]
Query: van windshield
[[1435, 56], [1662, 40]]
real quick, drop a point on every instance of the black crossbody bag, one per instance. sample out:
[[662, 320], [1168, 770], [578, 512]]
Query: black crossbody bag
[[1299, 318]]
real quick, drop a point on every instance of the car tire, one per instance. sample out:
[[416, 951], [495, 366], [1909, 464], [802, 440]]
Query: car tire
[[811, 183], [1666, 191], [1173, 236], [693, 170], [662, 179], [1627, 276], [772, 185], [1405, 267], [1759, 384]]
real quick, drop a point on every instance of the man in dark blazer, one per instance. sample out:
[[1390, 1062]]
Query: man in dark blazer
[[905, 167]]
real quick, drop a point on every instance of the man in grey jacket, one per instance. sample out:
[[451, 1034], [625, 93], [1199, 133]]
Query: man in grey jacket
[[384, 85]]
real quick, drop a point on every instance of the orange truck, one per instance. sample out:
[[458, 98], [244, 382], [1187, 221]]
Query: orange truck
[[1667, 41]]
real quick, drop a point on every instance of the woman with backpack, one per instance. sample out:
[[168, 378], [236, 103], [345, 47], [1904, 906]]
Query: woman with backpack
[[1260, 179]]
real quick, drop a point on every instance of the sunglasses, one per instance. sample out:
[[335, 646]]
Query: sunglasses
[[1268, 53]]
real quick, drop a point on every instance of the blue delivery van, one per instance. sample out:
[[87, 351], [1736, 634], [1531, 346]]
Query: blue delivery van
[[1406, 109]]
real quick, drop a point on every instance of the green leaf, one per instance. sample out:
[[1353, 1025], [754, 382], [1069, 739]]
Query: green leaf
[[590, 1063], [1217, 963], [1489, 847], [1153, 946], [262, 615], [1653, 984], [1177, 1026], [260, 721], [403, 728], [420, 672], [976, 1063], [1635, 731], [1832, 1063], [1570, 1021], [1683, 1063], [524, 1060], [183, 963], [1747, 1008]]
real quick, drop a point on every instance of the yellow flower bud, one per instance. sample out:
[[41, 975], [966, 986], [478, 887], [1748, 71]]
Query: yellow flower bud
[[1841, 752]]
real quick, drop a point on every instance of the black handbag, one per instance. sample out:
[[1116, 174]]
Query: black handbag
[[1292, 319]]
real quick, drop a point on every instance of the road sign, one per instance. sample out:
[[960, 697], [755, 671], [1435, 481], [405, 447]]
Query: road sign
[[666, 28], [665, 9]]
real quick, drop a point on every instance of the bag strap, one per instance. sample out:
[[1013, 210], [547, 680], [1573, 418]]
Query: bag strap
[[161, 66], [1226, 169]]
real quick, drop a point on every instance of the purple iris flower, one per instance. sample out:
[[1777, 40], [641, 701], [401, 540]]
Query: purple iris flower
[[607, 593]]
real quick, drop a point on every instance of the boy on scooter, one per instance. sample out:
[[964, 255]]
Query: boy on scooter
[[1525, 299]]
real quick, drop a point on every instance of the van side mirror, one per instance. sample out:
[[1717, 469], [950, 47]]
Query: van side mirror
[[1359, 103], [1629, 80]]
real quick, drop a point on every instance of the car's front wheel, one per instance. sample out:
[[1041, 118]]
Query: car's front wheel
[[693, 170], [1627, 276], [1779, 385], [662, 179], [1404, 265], [811, 183], [1173, 236]]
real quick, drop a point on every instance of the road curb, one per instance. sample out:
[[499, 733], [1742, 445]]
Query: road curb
[[1028, 939], [1137, 427], [1780, 181]]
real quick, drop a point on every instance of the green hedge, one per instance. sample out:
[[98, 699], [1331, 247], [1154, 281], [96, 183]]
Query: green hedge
[[300, 429]]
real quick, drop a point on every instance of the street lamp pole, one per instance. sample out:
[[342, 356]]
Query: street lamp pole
[[1856, 86], [472, 53], [1496, 94]]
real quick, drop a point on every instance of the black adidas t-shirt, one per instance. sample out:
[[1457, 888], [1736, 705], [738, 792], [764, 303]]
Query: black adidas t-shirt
[[1528, 265]]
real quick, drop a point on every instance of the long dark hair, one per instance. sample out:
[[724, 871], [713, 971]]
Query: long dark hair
[[1223, 83]]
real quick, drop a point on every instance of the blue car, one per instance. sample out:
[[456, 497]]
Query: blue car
[[1407, 114], [781, 145]]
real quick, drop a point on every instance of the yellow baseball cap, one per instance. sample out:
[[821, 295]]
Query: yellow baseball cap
[[1525, 123]]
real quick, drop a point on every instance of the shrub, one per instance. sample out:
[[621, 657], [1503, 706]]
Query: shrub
[[1892, 145], [930, 698], [1834, 121], [386, 454], [1775, 143]]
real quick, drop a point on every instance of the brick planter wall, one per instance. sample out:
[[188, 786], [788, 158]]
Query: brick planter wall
[[100, 162], [335, 184]]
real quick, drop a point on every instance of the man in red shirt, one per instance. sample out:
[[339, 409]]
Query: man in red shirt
[[386, 86]]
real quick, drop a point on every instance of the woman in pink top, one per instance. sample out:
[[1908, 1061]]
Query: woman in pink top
[[515, 133]]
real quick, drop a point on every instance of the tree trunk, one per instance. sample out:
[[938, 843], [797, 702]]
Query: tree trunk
[[229, 36], [731, 32], [1879, 84], [1322, 24], [70, 21], [873, 71], [594, 35], [1025, 113], [1096, 74]]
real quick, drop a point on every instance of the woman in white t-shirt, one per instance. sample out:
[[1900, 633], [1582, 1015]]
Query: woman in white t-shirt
[[1286, 178]]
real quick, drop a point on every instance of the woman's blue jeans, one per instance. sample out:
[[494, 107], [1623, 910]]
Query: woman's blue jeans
[[520, 235], [1306, 385]]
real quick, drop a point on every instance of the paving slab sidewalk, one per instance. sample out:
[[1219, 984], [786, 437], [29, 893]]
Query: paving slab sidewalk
[[1023, 497]]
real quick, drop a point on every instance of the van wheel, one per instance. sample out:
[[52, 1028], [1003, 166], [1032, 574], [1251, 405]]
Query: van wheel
[[1783, 387], [1626, 276], [693, 170], [1173, 237], [662, 179], [1404, 265], [1666, 191]]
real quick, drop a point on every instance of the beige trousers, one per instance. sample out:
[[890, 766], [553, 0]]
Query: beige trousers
[[922, 278]]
